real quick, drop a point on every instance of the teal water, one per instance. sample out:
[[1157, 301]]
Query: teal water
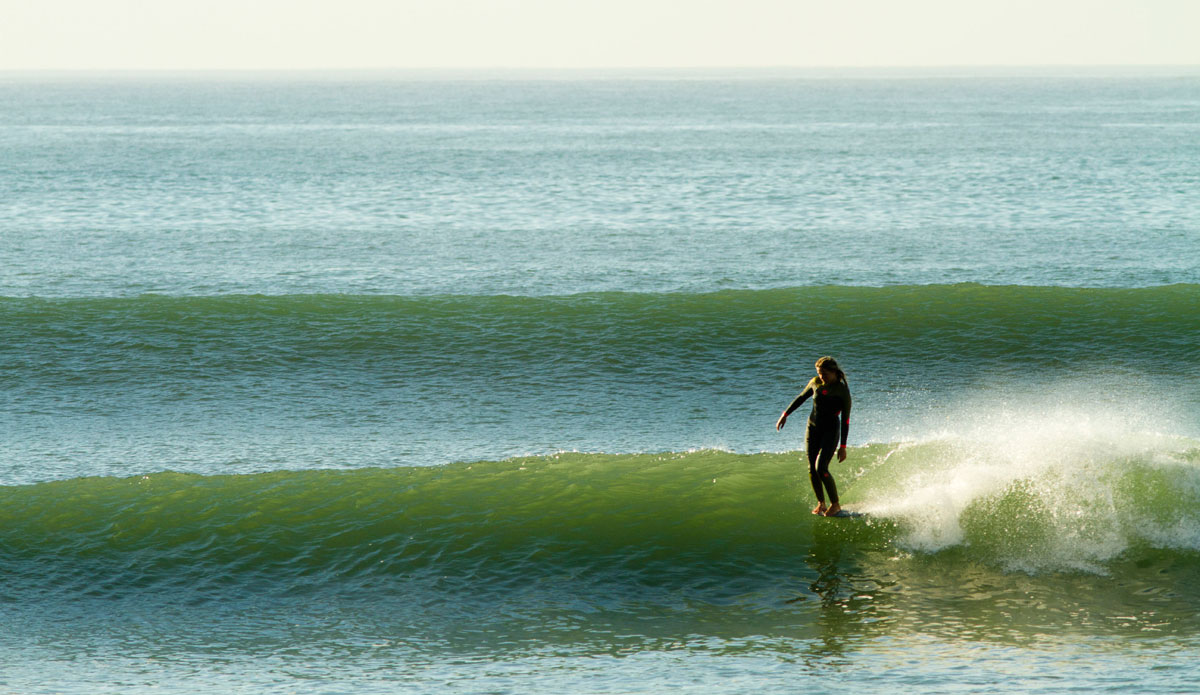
[[377, 384], [301, 185]]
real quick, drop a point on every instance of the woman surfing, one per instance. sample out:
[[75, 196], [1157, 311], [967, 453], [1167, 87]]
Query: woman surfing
[[830, 415]]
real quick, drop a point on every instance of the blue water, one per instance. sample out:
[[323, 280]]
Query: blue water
[[415, 382]]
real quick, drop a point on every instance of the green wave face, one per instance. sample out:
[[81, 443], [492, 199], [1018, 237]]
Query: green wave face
[[689, 519], [960, 539], [496, 521]]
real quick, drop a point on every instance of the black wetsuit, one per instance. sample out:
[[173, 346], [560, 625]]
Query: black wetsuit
[[830, 414]]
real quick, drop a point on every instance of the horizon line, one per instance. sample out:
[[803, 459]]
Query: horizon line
[[930, 70]]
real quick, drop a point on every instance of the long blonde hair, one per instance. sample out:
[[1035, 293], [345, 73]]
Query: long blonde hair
[[830, 365]]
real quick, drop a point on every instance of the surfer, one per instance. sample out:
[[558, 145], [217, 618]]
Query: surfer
[[830, 413]]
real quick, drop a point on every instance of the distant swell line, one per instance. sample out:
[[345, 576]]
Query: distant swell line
[[1162, 321]]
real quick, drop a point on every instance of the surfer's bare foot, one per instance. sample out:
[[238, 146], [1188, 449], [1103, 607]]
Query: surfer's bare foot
[[833, 510], [820, 509]]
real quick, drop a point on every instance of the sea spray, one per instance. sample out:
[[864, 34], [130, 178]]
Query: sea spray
[[1038, 490]]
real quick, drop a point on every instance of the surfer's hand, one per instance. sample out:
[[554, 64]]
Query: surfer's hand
[[841, 454], [781, 422]]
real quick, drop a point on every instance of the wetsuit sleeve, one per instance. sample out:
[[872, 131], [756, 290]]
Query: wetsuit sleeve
[[846, 418], [808, 391]]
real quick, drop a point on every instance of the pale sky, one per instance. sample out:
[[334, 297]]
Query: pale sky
[[403, 34]]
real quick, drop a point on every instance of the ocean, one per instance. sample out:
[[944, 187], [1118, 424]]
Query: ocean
[[449, 383]]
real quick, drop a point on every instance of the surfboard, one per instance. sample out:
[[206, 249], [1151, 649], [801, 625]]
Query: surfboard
[[844, 513]]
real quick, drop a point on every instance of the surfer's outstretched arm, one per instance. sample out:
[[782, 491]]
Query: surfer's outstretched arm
[[808, 391]]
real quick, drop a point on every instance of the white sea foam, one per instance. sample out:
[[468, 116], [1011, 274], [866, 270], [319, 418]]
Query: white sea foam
[[1061, 487]]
